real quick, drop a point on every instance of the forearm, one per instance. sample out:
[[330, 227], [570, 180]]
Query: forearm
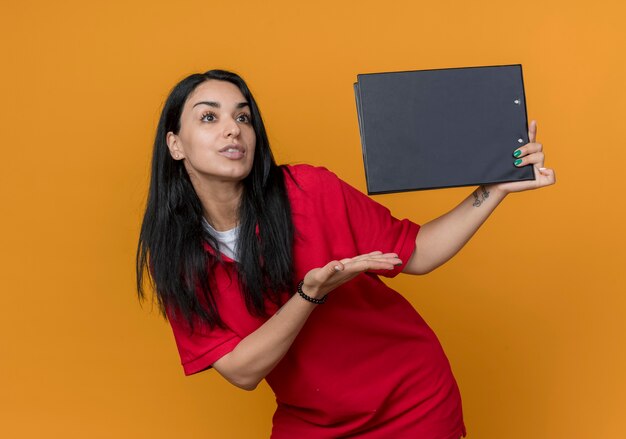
[[257, 354], [440, 239]]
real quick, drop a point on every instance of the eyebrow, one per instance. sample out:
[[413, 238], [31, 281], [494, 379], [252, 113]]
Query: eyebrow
[[217, 104]]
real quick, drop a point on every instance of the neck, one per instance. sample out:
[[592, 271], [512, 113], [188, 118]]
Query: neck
[[220, 202]]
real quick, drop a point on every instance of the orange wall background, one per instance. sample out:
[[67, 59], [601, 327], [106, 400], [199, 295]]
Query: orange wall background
[[530, 312]]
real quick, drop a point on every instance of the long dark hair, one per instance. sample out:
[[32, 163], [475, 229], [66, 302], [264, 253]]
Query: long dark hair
[[171, 243]]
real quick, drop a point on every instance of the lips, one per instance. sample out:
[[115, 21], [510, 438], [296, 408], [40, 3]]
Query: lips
[[233, 151]]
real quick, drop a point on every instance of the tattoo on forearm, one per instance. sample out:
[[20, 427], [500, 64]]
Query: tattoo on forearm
[[480, 197]]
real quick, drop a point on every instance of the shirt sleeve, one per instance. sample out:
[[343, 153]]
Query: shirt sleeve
[[371, 225], [204, 346]]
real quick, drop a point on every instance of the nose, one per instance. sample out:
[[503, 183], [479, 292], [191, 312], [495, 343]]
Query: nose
[[231, 129]]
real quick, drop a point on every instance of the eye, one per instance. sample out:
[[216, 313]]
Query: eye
[[243, 117], [208, 117]]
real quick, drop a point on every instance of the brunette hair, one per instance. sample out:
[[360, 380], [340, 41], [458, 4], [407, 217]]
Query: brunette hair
[[171, 249]]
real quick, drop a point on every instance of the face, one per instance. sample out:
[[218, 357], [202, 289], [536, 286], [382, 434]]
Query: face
[[216, 138]]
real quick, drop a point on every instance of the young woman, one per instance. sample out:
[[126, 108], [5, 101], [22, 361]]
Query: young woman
[[271, 272]]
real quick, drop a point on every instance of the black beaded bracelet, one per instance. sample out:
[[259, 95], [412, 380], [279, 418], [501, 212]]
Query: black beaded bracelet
[[309, 298]]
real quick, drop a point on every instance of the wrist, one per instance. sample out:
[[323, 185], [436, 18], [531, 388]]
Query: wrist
[[496, 191], [310, 296]]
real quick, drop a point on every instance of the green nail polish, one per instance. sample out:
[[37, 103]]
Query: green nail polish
[[517, 153], [517, 162]]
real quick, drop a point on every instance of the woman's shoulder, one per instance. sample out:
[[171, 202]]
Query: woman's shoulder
[[305, 175]]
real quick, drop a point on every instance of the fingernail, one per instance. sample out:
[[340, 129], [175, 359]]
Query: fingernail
[[517, 162], [337, 268], [517, 153]]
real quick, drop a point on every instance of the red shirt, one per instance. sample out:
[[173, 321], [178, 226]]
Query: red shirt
[[365, 363]]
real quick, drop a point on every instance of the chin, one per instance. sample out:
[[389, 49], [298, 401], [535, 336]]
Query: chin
[[235, 174]]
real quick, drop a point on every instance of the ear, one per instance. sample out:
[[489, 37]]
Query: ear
[[175, 146]]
